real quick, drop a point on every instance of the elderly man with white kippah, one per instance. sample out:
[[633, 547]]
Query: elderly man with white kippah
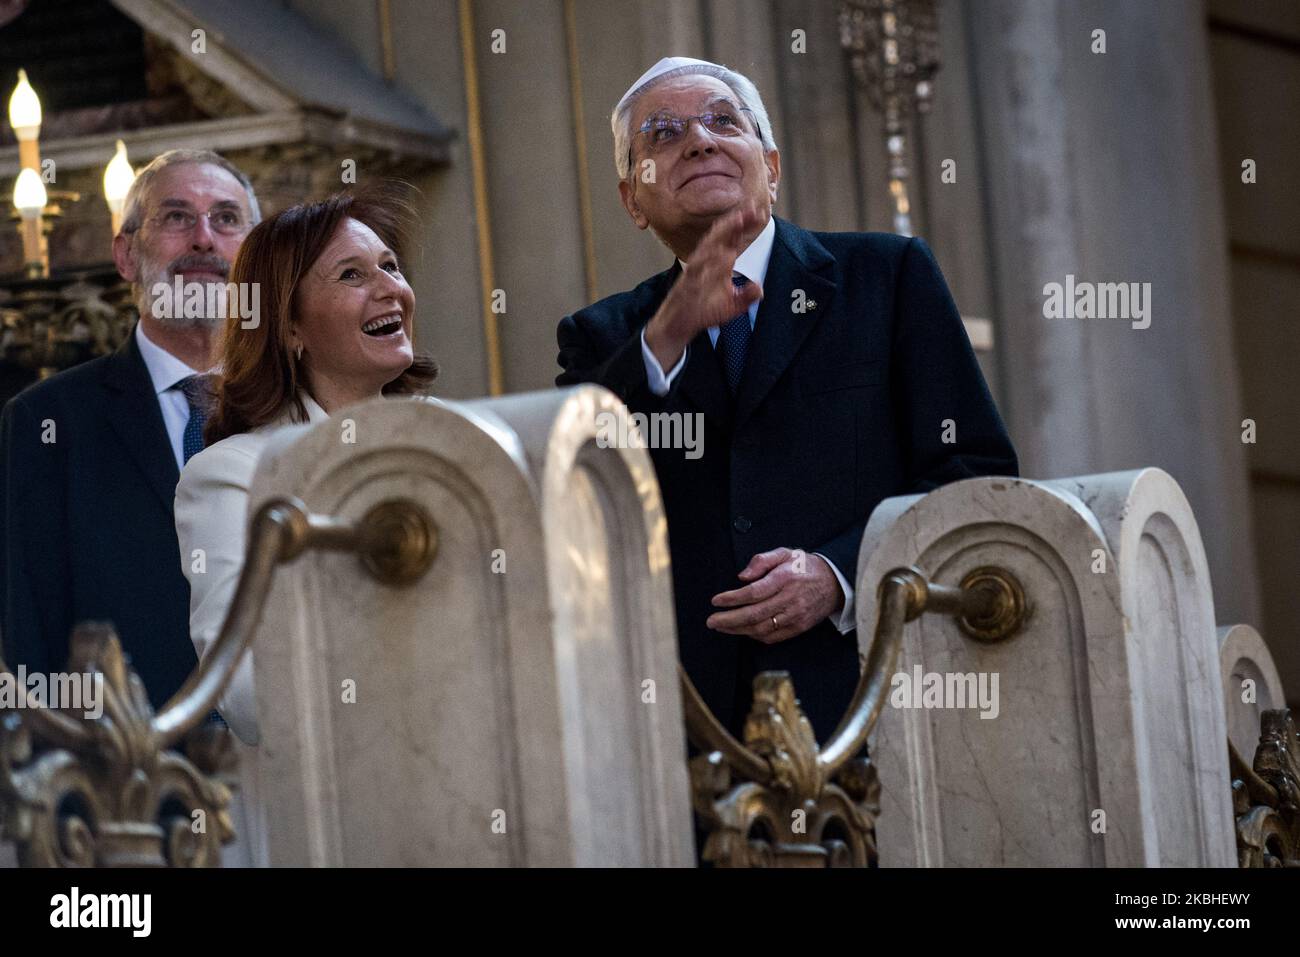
[[829, 371]]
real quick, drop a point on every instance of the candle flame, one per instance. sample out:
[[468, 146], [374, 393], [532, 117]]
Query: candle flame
[[118, 176], [29, 193], [24, 105]]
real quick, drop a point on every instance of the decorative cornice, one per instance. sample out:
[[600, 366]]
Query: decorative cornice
[[163, 19], [237, 133]]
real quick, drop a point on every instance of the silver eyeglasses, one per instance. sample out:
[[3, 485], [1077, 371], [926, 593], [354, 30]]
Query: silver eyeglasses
[[226, 220], [668, 128]]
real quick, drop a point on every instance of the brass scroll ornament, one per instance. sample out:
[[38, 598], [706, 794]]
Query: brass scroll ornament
[[1266, 795], [107, 791], [778, 800]]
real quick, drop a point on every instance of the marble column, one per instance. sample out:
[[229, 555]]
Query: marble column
[[1103, 166]]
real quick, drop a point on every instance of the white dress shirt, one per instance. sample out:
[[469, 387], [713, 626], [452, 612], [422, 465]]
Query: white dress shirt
[[165, 371], [752, 264]]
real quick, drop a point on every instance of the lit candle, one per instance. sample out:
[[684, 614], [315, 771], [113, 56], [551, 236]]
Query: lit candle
[[25, 118], [30, 198], [118, 177]]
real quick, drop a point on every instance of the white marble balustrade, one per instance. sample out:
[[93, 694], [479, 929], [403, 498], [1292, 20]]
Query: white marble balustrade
[[1108, 747], [517, 706], [1251, 685]]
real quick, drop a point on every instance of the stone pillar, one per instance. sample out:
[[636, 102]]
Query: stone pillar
[[1103, 166]]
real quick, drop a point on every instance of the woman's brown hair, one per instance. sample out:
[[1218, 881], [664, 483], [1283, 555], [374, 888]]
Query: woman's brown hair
[[259, 376]]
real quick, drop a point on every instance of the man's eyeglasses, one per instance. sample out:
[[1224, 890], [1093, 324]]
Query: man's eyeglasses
[[226, 220], [664, 129]]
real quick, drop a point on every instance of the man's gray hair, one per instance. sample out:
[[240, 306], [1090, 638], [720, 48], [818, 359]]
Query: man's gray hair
[[621, 119], [133, 212]]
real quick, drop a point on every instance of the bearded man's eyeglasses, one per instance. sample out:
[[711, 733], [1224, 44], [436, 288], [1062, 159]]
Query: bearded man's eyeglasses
[[225, 220]]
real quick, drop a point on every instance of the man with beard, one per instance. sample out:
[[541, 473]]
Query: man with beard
[[89, 458]]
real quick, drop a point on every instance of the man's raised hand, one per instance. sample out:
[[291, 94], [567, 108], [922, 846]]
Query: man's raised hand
[[704, 295]]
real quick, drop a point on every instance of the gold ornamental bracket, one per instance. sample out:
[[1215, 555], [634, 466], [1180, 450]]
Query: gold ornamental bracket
[[81, 791], [779, 800], [108, 791], [1266, 795]]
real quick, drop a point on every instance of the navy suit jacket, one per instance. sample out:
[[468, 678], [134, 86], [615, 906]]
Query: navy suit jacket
[[86, 525], [839, 407]]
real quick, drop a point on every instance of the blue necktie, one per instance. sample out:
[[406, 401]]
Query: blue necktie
[[733, 342], [197, 394]]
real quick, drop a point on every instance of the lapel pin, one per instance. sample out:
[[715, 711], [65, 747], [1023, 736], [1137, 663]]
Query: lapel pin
[[811, 304]]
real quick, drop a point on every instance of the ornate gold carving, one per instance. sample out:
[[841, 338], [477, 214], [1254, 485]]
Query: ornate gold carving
[[171, 70], [798, 818], [104, 792], [777, 730], [47, 325], [777, 800], [1266, 797]]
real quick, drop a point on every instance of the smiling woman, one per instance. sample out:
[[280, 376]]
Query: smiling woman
[[333, 328], [335, 318]]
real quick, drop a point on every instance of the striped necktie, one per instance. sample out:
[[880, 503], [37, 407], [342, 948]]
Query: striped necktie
[[197, 389], [198, 393], [733, 342]]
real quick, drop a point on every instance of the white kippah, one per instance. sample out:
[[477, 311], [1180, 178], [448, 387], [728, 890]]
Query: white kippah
[[666, 65]]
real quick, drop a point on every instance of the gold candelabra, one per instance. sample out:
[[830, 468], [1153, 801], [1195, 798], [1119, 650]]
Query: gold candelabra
[[893, 50], [50, 323]]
